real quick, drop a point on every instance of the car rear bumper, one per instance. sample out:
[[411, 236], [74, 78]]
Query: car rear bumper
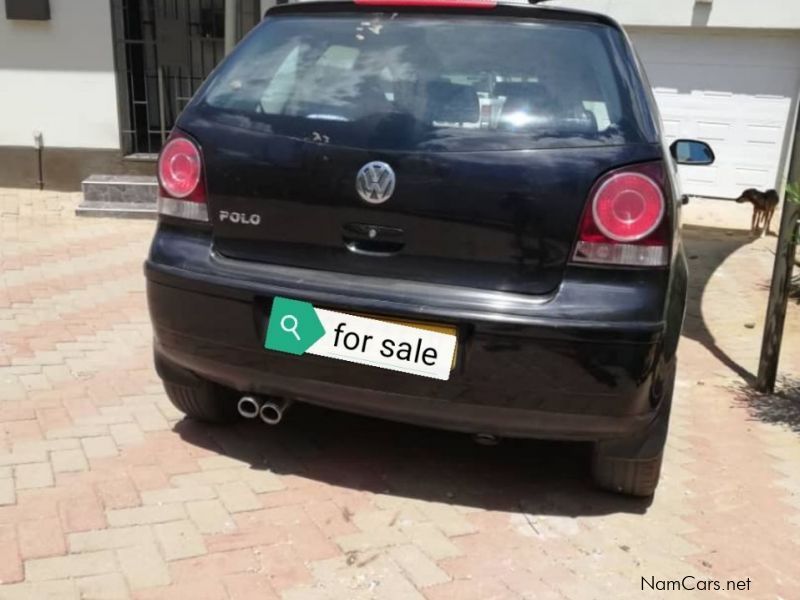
[[572, 365]]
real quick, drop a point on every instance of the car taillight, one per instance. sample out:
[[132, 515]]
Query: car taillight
[[624, 222], [181, 189]]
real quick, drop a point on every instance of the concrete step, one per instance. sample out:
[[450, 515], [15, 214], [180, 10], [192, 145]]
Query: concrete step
[[123, 210], [129, 196]]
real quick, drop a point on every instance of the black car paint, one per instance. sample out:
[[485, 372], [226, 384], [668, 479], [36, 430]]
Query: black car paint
[[579, 353], [495, 220]]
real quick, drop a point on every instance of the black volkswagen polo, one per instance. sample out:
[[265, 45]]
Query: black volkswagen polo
[[493, 174]]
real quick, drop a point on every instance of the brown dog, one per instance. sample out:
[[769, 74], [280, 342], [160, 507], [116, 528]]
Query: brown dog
[[764, 205]]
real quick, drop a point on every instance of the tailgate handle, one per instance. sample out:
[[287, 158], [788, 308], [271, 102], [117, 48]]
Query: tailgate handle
[[373, 240]]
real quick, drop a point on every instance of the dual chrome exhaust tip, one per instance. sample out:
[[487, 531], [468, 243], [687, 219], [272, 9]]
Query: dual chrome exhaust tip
[[269, 410]]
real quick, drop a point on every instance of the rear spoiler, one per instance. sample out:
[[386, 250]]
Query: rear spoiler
[[520, 8], [427, 3]]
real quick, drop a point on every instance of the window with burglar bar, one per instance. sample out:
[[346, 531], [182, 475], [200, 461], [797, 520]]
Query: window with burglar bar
[[164, 50]]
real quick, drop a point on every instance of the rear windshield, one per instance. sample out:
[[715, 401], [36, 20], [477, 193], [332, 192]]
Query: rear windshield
[[410, 82]]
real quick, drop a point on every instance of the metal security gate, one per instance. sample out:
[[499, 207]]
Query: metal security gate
[[164, 51]]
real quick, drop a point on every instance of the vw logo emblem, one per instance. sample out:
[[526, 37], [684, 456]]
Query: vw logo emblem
[[375, 182]]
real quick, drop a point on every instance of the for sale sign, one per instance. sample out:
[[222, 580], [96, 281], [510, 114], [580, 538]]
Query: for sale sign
[[297, 327]]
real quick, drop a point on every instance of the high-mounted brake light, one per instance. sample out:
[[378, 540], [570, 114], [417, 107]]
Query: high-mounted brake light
[[624, 223], [181, 189], [436, 3]]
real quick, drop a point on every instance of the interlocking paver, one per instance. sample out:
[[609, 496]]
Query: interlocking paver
[[110, 539], [181, 494], [377, 537], [99, 447], [249, 586], [52, 590], [216, 564], [66, 461], [150, 419], [10, 561], [330, 518], [179, 539], [103, 587], [432, 541], [118, 493], [126, 434], [143, 567], [148, 477], [41, 538], [46, 445], [23, 457], [143, 515], [210, 516], [237, 496], [77, 432], [106, 492], [375, 576], [73, 565], [420, 569], [447, 518], [8, 494]]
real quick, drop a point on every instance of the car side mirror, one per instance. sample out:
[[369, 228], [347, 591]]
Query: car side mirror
[[692, 152]]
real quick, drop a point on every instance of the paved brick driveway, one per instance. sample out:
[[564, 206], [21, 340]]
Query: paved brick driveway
[[106, 493]]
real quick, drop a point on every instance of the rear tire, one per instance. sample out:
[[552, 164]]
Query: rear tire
[[205, 401], [632, 465]]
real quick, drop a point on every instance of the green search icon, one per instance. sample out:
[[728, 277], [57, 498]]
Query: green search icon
[[289, 325], [293, 326]]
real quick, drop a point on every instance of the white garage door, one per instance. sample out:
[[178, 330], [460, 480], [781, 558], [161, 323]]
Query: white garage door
[[736, 91]]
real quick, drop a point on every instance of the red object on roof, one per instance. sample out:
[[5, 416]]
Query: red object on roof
[[436, 3]]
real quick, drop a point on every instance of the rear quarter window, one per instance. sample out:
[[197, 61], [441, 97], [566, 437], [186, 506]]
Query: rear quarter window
[[429, 83]]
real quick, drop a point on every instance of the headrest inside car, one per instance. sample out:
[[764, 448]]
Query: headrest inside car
[[531, 90], [452, 102]]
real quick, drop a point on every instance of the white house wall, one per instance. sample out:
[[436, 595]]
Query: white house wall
[[57, 77], [266, 4], [766, 14]]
